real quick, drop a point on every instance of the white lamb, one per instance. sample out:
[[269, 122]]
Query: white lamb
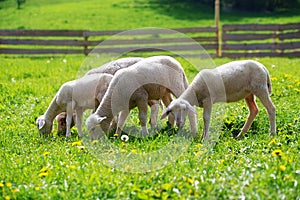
[[228, 83], [74, 96], [111, 68], [153, 78]]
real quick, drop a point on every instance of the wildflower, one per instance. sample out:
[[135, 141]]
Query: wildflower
[[116, 135], [124, 138], [123, 150], [222, 161], [1, 185], [296, 89], [287, 75], [197, 154], [44, 169], [43, 174], [16, 190], [7, 197], [273, 79], [95, 142], [133, 151], [78, 143], [8, 184], [272, 142], [277, 152], [37, 188], [46, 153], [72, 166], [282, 167]]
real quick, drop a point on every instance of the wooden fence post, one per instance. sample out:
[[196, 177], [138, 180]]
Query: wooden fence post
[[217, 19]]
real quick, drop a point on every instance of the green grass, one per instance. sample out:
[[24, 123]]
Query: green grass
[[35, 168], [32, 167], [124, 14]]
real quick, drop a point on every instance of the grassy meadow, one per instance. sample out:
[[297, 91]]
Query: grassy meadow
[[31, 167]]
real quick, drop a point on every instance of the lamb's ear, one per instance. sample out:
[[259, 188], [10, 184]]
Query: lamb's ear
[[100, 119], [191, 108], [165, 113], [40, 123]]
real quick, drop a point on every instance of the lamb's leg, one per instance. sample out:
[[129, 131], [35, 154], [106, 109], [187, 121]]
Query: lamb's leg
[[153, 116], [167, 100], [121, 120], [193, 123], [143, 110], [253, 110], [266, 101], [79, 121], [207, 108], [69, 119]]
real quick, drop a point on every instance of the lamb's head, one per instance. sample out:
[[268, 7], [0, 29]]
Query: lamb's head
[[179, 108], [61, 119], [93, 123], [44, 126]]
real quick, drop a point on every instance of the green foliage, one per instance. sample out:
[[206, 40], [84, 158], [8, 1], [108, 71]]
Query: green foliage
[[37, 168]]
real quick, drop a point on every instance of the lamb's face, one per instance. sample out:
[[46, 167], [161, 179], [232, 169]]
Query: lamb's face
[[179, 109], [44, 126], [62, 122], [93, 125]]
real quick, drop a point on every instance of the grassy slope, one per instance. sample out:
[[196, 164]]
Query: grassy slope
[[234, 169], [123, 14]]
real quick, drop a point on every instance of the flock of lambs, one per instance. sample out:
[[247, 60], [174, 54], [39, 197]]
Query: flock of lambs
[[115, 88]]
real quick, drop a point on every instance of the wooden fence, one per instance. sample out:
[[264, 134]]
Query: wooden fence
[[247, 40], [254, 40], [83, 42]]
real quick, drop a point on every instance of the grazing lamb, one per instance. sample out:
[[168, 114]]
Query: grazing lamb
[[153, 78], [77, 95], [61, 119], [228, 83], [111, 68]]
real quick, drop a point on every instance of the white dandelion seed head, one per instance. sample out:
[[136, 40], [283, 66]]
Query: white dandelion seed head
[[124, 138]]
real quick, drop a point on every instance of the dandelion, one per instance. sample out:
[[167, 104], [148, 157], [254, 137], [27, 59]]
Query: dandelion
[[277, 152], [272, 142], [133, 151], [124, 138], [46, 153], [198, 154], [273, 79], [296, 89], [288, 75], [37, 188], [8, 184], [7, 197], [1, 185], [16, 190], [222, 161], [78, 143], [95, 142], [43, 174], [116, 135], [44, 169], [282, 167], [123, 150]]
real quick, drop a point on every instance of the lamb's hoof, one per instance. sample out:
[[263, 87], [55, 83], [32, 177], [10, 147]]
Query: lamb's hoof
[[272, 134]]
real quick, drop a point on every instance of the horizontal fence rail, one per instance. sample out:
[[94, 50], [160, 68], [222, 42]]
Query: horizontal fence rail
[[115, 41], [238, 40], [257, 40]]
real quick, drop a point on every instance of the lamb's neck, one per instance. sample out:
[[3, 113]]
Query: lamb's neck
[[190, 96], [105, 110], [53, 110]]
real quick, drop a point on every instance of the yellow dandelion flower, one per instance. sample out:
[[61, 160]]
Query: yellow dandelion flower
[[116, 135], [282, 167], [72, 166], [277, 152], [272, 142], [8, 184], [123, 150], [296, 89], [44, 169], [46, 153], [288, 75], [198, 154], [7, 197], [273, 79], [43, 174], [222, 161], [78, 143], [37, 188], [16, 190], [95, 142], [133, 151], [1, 185], [290, 160]]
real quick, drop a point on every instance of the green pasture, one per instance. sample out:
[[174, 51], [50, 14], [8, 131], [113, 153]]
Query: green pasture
[[36, 168], [32, 167]]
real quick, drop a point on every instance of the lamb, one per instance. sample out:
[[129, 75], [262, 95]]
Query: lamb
[[228, 83], [74, 96], [153, 78], [111, 68]]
